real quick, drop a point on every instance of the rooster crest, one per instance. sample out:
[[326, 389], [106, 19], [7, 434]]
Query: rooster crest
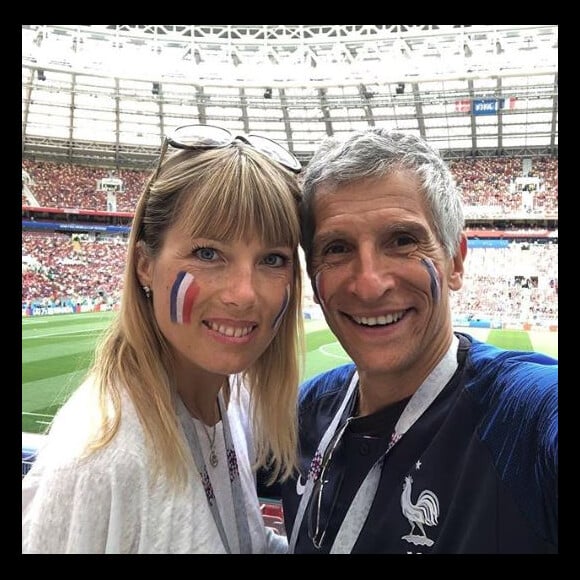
[[424, 512]]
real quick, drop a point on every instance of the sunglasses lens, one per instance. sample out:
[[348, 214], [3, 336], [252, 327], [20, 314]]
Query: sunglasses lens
[[200, 136], [275, 151], [209, 136]]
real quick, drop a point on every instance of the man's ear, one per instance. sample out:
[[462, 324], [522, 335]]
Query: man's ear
[[314, 291], [456, 274], [144, 265]]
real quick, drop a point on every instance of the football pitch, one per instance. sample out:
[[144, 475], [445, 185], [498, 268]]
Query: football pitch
[[56, 351]]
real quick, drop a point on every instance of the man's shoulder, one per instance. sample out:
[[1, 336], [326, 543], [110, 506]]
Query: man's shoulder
[[488, 358], [326, 384], [498, 375]]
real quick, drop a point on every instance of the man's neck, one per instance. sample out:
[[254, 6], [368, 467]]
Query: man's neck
[[379, 390], [374, 396]]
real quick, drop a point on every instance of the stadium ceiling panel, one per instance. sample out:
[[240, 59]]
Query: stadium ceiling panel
[[105, 94]]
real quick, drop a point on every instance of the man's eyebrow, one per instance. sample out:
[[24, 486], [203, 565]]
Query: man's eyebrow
[[331, 236], [411, 227], [400, 226]]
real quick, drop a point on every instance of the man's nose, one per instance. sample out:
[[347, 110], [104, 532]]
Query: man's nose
[[372, 275]]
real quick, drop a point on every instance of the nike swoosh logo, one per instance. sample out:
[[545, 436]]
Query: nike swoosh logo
[[300, 487]]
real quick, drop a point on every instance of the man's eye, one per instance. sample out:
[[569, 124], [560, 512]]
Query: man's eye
[[404, 241], [334, 249]]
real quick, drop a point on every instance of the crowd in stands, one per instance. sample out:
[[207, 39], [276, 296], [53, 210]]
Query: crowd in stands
[[519, 282], [485, 182], [61, 269], [74, 186], [490, 182]]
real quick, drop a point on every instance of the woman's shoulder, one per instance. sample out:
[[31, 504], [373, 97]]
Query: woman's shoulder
[[76, 425]]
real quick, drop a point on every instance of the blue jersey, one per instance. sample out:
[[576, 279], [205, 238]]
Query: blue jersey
[[477, 473]]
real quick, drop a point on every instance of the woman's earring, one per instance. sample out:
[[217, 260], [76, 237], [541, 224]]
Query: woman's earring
[[147, 291]]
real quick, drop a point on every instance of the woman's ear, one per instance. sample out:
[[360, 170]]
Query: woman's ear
[[144, 265]]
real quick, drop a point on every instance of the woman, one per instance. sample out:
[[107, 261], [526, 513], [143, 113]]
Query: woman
[[194, 384]]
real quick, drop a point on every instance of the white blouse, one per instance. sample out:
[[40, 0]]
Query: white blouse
[[109, 502]]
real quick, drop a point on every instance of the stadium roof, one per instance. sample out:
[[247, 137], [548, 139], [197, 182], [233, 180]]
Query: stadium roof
[[105, 94]]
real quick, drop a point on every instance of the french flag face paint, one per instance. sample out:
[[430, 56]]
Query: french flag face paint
[[280, 315], [183, 294], [435, 284]]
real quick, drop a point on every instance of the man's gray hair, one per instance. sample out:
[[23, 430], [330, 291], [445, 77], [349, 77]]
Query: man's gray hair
[[376, 153]]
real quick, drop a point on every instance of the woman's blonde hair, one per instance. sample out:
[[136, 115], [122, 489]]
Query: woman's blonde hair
[[234, 193]]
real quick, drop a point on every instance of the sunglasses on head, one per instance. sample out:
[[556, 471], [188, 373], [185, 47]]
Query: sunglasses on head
[[211, 137]]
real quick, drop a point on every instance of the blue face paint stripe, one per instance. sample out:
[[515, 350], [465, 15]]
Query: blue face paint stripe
[[284, 307], [173, 296], [435, 287]]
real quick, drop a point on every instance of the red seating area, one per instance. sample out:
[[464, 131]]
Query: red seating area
[[483, 182], [61, 271]]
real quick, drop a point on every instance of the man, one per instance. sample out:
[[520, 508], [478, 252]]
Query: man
[[432, 441]]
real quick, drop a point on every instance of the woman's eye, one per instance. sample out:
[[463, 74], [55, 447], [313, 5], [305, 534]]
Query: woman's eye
[[275, 260], [206, 254]]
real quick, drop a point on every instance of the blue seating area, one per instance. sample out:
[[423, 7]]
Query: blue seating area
[[31, 442]]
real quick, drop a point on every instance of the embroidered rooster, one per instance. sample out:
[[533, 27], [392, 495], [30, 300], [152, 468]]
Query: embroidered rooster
[[423, 513]]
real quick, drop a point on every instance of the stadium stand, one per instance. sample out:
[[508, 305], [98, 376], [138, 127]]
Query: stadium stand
[[84, 267]]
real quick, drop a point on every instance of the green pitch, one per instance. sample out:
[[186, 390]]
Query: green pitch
[[56, 351]]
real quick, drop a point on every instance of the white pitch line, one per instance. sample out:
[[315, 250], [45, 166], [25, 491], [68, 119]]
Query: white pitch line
[[53, 334], [325, 352]]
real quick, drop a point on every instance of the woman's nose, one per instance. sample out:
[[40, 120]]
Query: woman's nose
[[240, 287]]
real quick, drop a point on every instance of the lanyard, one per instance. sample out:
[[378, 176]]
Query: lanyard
[[235, 482], [358, 511]]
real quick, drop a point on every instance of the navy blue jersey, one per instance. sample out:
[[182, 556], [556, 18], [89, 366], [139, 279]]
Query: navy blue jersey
[[477, 473]]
